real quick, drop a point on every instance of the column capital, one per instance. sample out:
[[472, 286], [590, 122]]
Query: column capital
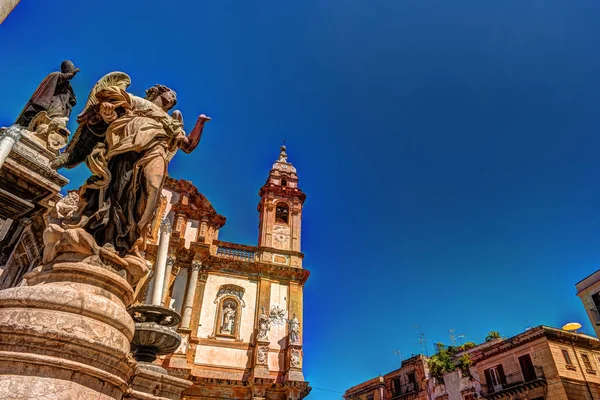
[[170, 260], [165, 226], [196, 265], [13, 132]]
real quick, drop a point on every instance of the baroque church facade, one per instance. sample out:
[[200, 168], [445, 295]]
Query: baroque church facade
[[241, 306], [202, 319]]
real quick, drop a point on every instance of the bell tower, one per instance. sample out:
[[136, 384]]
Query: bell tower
[[280, 210]]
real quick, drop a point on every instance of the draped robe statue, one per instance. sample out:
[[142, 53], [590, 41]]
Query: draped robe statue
[[126, 142], [54, 95]]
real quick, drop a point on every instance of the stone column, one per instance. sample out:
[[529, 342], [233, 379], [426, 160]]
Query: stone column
[[8, 138], [161, 262], [188, 305], [6, 6], [167, 281]]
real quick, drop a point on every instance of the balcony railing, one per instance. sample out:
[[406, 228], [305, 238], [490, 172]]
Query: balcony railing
[[404, 389], [235, 254], [517, 381]]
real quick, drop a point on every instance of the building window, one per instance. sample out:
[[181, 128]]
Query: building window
[[596, 300], [369, 397], [282, 213], [396, 387], [567, 357], [587, 363], [283, 182], [412, 382], [527, 368], [495, 378]]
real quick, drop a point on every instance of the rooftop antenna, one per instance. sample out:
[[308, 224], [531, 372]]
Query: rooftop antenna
[[423, 342], [399, 354], [452, 337]]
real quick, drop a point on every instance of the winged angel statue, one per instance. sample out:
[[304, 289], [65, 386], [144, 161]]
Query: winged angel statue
[[126, 142]]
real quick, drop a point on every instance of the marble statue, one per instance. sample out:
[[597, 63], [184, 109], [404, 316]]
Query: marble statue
[[125, 141], [228, 319], [294, 329], [52, 131], [54, 95], [264, 324], [278, 315]]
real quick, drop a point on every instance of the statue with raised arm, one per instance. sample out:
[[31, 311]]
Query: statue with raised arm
[[54, 96], [126, 142]]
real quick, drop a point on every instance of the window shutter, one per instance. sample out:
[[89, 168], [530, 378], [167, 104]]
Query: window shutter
[[488, 381], [502, 376]]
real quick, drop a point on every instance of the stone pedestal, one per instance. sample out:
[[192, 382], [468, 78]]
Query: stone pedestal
[[294, 362], [66, 335], [152, 385], [261, 360]]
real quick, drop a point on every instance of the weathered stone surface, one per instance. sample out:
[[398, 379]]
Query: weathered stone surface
[[66, 335], [161, 386], [6, 6]]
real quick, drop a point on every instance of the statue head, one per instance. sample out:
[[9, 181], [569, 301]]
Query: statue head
[[67, 66], [162, 96]]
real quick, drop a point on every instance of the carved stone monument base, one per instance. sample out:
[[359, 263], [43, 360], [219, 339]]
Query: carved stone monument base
[[151, 385], [294, 359], [261, 360], [66, 334]]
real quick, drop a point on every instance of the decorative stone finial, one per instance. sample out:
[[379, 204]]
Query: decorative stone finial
[[283, 155]]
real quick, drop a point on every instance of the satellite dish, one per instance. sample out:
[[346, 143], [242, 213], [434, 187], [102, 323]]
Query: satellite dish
[[572, 326]]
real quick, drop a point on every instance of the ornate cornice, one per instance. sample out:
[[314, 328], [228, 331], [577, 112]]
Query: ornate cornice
[[190, 212], [553, 334], [282, 191], [198, 206]]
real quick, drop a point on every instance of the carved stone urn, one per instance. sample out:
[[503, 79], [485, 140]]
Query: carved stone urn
[[154, 334]]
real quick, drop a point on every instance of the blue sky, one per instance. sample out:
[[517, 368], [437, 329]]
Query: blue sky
[[449, 149]]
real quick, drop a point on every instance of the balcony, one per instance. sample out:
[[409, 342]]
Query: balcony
[[235, 252], [405, 391], [516, 383]]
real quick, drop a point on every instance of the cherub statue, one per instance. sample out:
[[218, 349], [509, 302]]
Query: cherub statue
[[66, 207], [125, 141], [53, 131]]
